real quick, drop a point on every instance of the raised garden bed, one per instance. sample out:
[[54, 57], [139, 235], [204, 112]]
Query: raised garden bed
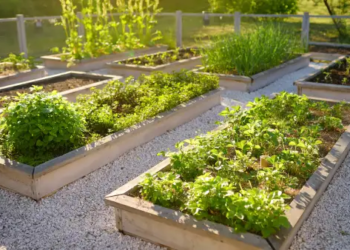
[[46, 178], [179, 230], [166, 62], [55, 62], [323, 57], [69, 84], [13, 77], [260, 80], [330, 83]]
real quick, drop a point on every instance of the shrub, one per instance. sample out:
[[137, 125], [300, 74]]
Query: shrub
[[39, 126], [120, 105], [252, 52]]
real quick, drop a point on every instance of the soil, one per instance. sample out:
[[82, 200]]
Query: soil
[[332, 50], [339, 74], [59, 85], [163, 58]]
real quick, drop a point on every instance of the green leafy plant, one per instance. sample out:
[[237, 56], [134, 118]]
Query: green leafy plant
[[252, 52], [39, 126], [220, 173], [17, 63], [163, 57], [103, 33], [120, 105], [167, 191], [344, 81], [328, 76]]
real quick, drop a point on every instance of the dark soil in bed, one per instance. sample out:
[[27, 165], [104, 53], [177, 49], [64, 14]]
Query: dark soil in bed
[[59, 85], [338, 74], [331, 50], [163, 57]]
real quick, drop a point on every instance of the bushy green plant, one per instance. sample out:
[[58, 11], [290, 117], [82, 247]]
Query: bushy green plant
[[103, 33], [17, 63], [167, 191], [223, 178], [120, 105], [251, 52], [40, 126]]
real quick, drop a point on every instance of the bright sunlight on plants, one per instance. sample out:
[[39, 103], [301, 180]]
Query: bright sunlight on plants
[[252, 52], [40, 126], [15, 63], [219, 176], [105, 33], [120, 105]]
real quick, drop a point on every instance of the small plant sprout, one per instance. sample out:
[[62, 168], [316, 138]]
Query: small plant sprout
[[344, 81], [163, 57], [339, 63], [347, 70], [327, 76]]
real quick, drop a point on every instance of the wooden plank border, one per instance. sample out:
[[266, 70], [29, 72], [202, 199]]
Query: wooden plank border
[[22, 76], [125, 70], [47, 178], [71, 94], [327, 91], [55, 62], [128, 207], [262, 79]]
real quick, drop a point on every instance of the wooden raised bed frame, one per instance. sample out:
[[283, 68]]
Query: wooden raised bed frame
[[119, 68], [325, 91], [260, 80], [176, 230], [47, 178], [22, 76], [70, 94], [54, 61]]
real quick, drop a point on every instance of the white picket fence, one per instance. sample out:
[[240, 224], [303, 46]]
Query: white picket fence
[[22, 37]]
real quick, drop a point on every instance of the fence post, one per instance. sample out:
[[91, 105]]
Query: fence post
[[206, 20], [305, 29], [81, 30], [22, 39], [237, 16], [179, 28]]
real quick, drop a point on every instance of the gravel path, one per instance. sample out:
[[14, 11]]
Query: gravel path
[[76, 217], [328, 226]]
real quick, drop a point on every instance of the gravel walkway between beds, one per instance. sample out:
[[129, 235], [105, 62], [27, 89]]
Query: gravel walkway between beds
[[76, 217]]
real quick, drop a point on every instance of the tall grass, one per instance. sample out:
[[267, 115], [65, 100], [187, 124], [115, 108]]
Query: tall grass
[[252, 52]]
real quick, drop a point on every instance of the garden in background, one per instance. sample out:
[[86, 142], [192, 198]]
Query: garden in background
[[114, 76], [41, 39]]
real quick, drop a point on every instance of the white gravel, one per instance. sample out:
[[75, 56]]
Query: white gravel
[[328, 226], [76, 217]]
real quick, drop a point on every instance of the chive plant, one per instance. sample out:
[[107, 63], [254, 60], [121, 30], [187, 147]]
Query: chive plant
[[251, 52]]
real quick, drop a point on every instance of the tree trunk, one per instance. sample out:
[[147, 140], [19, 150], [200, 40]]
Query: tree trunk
[[338, 25]]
